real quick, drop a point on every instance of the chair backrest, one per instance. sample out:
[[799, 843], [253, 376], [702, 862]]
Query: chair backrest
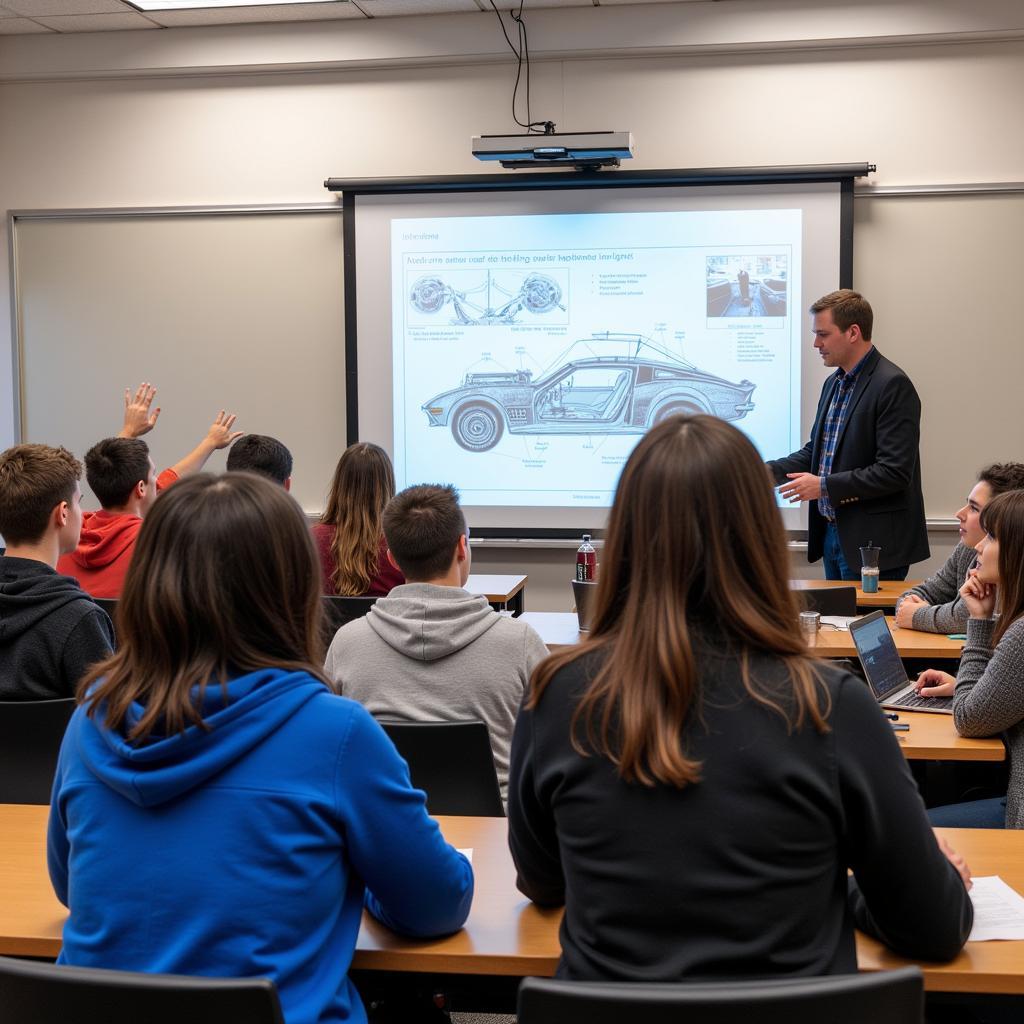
[[829, 600], [339, 611], [30, 736], [56, 994], [452, 763], [885, 997]]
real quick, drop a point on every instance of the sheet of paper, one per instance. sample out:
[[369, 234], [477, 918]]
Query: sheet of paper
[[839, 621], [998, 910], [467, 853]]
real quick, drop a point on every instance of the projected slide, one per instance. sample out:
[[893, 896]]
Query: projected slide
[[530, 353]]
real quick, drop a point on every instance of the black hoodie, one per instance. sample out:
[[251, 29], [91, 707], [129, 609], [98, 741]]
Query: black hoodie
[[50, 631]]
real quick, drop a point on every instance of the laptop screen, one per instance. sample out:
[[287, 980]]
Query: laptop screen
[[878, 655]]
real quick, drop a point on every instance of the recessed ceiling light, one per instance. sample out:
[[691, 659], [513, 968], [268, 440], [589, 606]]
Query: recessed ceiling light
[[212, 5]]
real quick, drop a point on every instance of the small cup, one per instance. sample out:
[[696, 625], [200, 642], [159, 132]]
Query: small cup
[[869, 557], [810, 625], [583, 593]]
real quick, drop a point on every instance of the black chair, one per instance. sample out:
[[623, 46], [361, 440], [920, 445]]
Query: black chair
[[452, 763], [108, 604], [829, 600], [51, 994], [30, 736], [885, 997], [339, 611]]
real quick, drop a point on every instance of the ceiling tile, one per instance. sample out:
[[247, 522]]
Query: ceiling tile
[[96, 22], [20, 27], [240, 15], [4, 13], [56, 8], [397, 8]]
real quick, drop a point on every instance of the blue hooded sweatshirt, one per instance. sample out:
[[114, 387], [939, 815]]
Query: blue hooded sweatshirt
[[246, 849]]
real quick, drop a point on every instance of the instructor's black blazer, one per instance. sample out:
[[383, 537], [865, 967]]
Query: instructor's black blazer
[[875, 483]]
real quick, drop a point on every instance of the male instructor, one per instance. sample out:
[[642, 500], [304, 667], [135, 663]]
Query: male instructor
[[861, 471]]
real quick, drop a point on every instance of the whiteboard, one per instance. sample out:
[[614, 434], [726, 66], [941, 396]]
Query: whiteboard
[[945, 278], [237, 310]]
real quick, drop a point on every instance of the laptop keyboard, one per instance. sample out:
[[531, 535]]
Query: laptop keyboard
[[913, 700]]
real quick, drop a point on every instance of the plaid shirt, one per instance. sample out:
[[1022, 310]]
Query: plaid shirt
[[834, 419]]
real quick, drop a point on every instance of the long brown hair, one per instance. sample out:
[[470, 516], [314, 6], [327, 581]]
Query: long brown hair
[[694, 547], [224, 580], [1003, 519], [364, 482]]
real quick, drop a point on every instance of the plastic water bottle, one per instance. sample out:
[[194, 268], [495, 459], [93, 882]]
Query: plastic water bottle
[[586, 561]]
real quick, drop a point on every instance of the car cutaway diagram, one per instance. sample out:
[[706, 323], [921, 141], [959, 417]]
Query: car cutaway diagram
[[588, 393]]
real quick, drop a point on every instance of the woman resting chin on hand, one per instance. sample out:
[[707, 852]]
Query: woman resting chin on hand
[[980, 599]]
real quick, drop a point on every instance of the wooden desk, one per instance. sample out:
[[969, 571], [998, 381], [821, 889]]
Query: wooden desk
[[561, 629], [888, 590], [504, 592], [506, 934], [931, 737], [837, 643]]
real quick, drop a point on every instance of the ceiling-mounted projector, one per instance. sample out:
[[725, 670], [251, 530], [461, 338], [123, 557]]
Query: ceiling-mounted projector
[[583, 150]]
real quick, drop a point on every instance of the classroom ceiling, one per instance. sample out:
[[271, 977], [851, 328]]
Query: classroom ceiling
[[18, 17]]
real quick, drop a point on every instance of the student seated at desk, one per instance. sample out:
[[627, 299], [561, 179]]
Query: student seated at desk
[[217, 809], [935, 606], [430, 650], [122, 476], [688, 781], [988, 691], [349, 537], [51, 632]]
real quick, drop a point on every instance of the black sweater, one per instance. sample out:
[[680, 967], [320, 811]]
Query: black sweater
[[745, 872], [50, 631]]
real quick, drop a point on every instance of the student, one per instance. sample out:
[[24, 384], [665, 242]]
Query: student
[[935, 606], [218, 810], [688, 781], [988, 691], [259, 453], [430, 650], [121, 474], [349, 538], [50, 631]]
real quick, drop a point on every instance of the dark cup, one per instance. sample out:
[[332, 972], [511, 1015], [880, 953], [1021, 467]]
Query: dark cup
[[583, 594]]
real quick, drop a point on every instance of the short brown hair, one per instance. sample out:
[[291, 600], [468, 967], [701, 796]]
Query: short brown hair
[[1003, 476], [848, 308], [422, 526], [34, 479], [114, 466], [224, 581]]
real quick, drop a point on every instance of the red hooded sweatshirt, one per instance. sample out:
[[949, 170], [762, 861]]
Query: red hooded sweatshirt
[[100, 561]]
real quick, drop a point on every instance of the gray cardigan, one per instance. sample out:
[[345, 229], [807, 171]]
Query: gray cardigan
[[989, 699], [945, 611]]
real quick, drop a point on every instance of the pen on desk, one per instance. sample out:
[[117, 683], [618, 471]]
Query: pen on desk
[[900, 728]]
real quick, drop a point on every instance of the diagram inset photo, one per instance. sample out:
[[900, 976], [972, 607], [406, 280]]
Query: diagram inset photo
[[480, 298], [748, 286], [586, 392]]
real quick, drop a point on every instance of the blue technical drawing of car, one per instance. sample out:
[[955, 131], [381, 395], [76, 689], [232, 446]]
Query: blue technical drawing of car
[[590, 393]]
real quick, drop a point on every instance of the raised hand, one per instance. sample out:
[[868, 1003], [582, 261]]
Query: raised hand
[[138, 420]]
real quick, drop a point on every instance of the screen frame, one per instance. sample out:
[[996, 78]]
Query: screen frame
[[351, 189]]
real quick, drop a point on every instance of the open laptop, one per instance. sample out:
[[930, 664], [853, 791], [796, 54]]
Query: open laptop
[[884, 669]]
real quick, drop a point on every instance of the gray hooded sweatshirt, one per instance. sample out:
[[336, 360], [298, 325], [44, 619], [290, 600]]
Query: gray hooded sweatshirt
[[427, 653]]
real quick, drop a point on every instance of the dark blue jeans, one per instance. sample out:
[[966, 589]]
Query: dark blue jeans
[[835, 561], [989, 813]]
